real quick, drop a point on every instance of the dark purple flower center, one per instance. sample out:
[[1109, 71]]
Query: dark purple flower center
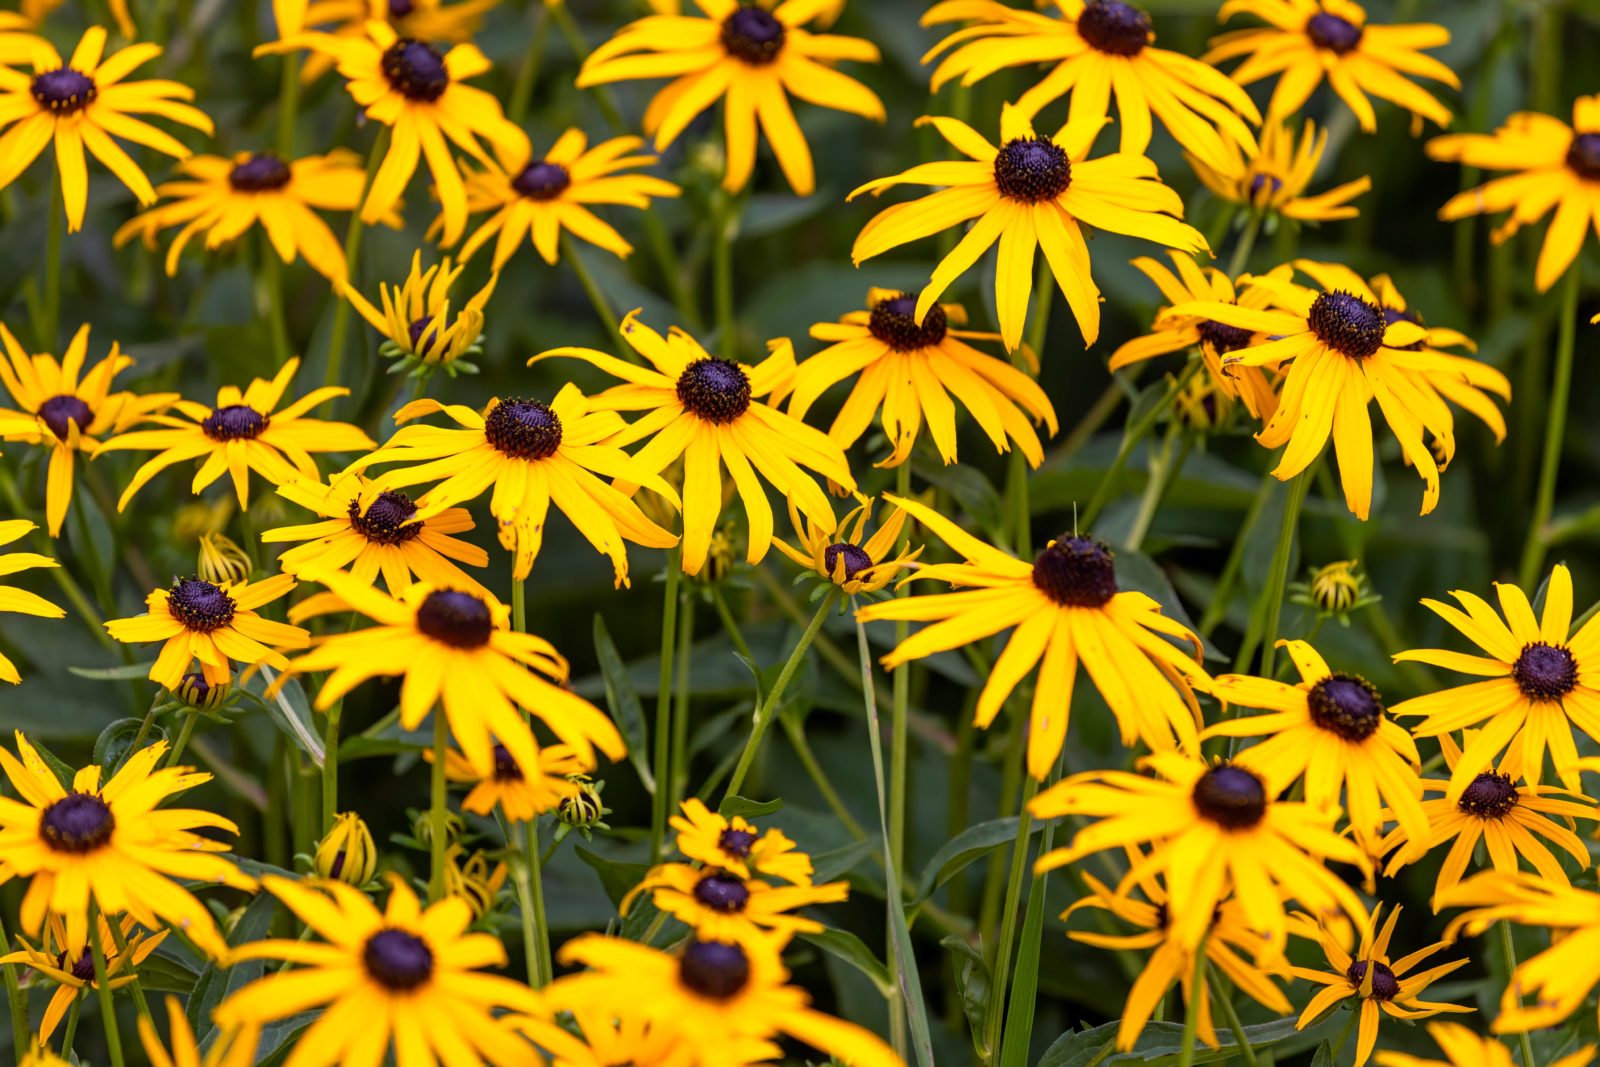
[[894, 322], [542, 180], [82, 969], [416, 70], [1231, 797], [236, 422], [1032, 169], [261, 173], [1114, 27], [1076, 572], [506, 768], [1385, 986], [1488, 796], [195, 690], [399, 9], [717, 390], [397, 960], [1394, 315], [736, 842], [64, 91], [1224, 338], [1337, 35], [387, 520], [78, 823], [855, 559], [1584, 155], [1545, 672], [1264, 185], [199, 605], [523, 429], [422, 335], [1346, 705], [721, 891], [753, 35], [458, 619], [713, 969], [1347, 324], [60, 412]]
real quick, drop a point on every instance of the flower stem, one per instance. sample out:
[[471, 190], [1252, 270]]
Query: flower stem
[[528, 73], [1278, 577], [121, 941], [1218, 608], [530, 891], [288, 104], [819, 778], [50, 327], [602, 307], [680, 705], [899, 741], [16, 996], [184, 733], [439, 812], [108, 1007], [1510, 949], [330, 765], [1136, 433], [663, 731], [72, 1027], [277, 322], [725, 227], [352, 254], [1247, 242], [1555, 427], [1191, 1014], [1344, 1035], [519, 605], [1247, 1053], [1008, 913], [1164, 469]]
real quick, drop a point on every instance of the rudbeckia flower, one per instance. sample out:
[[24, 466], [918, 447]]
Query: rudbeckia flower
[[1332, 731], [827, 11], [719, 996], [112, 845], [1215, 830], [232, 1048], [406, 84], [719, 905], [917, 372], [752, 57], [1275, 176], [85, 103], [457, 650], [1100, 49], [841, 559], [1307, 40], [737, 845], [1066, 609], [406, 978], [65, 410], [604, 1040], [540, 198], [223, 198], [20, 601], [245, 432], [416, 323], [1539, 681], [707, 410], [1379, 985], [520, 797], [1342, 352], [197, 619], [1031, 193], [1467, 1049], [347, 852], [434, 21], [1558, 166], [73, 972], [531, 454]]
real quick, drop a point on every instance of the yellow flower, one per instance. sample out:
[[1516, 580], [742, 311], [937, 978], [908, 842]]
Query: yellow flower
[[911, 371], [73, 971], [737, 846], [21, 601], [706, 410], [111, 846], [1273, 177], [197, 619], [1066, 609], [220, 560], [720, 905], [1467, 1049], [433, 21], [1100, 49], [1557, 166], [415, 319], [223, 198], [1033, 192], [19, 39], [1335, 588], [407, 977], [520, 797], [347, 853], [232, 1048], [84, 103], [1307, 40], [608, 1040], [841, 558], [752, 57], [245, 432], [540, 198], [473, 880], [406, 84], [827, 12]]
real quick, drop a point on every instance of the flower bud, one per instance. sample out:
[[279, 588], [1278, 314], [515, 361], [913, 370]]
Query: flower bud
[[221, 560], [198, 693], [584, 808], [347, 854]]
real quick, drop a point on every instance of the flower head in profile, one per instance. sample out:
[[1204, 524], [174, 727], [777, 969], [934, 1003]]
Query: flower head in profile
[[1066, 610], [230, 1048], [111, 844], [1034, 192], [83, 103], [919, 372], [21, 601], [73, 971], [1274, 177], [346, 852], [1464, 1048], [1379, 984], [738, 846], [216, 624], [1306, 41], [709, 411], [842, 559], [540, 199], [754, 60], [246, 431], [416, 322], [1100, 49], [434, 21], [407, 976], [520, 796], [720, 905]]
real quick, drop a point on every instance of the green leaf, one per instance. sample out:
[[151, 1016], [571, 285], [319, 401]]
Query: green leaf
[[964, 849], [845, 946], [215, 983], [746, 808], [972, 982], [837, 862], [1018, 1030], [1324, 1056], [1160, 1043], [616, 878], [129, 670], [116, 742], [623, 700], [289, 709]]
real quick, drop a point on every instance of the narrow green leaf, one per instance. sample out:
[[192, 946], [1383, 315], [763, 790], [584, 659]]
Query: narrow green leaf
[[214, 982], [845, 946], [962, 850], [623, 700], [747, 808], [122, 673], [1018, 1030], [289, 709], [972, 982]]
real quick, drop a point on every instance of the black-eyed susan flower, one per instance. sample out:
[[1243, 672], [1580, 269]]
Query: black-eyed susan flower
[[709, 411], [433, 21], [1332, 730], [21, 601], [738, 846], [215, 624], [457, 649], [827, 11], [232, 1048], [751, 58], [416, 323], [246, 431], [1306, 41], [1100, 49], [720, 905], [473, 879], [1539, 682], [520, 796], [1342, 352], [1464, 1048], [84, 103], [531, 455], [842, 559], [918, 373], [1171, 963], [346, 852], [1557, 166], [220, 559], [1334, 590], [72, 971], [1378, 984], [541, 198], [1508, 818], [408, 85], [1274, 178], [1067, 611], [720, 995], [66, 410], [1214, 830], [111, 845], [604, 1039], [585, 810], [408, 978], [221, 198], [1033, 192]]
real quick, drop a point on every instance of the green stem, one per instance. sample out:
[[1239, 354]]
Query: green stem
[[1137, 432], [535, 929], [663, 732], [108, 1008], [50, 328], [1218, 608], [1510, 949], [528, 73], [352, 255], [678, 280], [1555, 428], [277, 321], [1191, 1013], [184, 733], [72, 1027], [121, 941], [1247, 242], [680, 705], [597, 298], [1164, 469], [330, 766], [519, 605], [1344, 1035], [819, 778], [439, 811], [725, 226], [899, 744], [1010, 788], [1278, 578], [580, 51], [729, 623], [1229, 1013], [16, 996], [288, 104], [1008, 914]]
